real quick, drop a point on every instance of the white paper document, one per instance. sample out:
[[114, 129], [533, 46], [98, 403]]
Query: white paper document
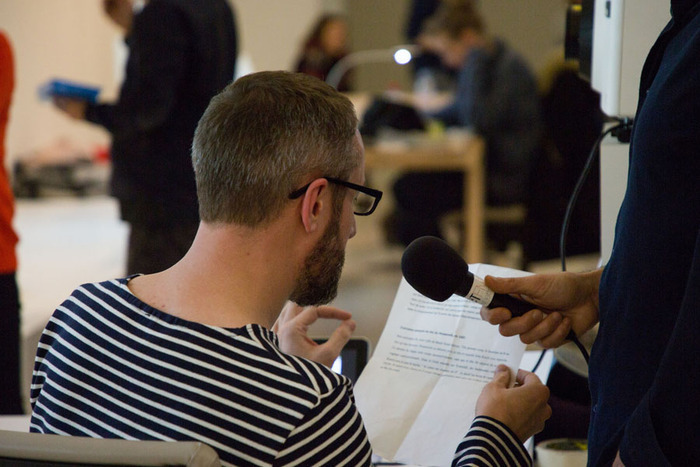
[[418, 391]]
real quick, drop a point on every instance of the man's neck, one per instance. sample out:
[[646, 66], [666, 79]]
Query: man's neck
[[229, 278]]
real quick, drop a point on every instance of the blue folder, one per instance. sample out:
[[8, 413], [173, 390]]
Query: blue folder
[[63, 88]]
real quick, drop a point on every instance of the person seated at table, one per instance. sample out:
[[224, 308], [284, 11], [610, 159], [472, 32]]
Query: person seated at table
[[213, 349], [497, 97]]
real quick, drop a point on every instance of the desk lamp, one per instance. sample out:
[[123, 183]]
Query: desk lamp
[[401, 54]]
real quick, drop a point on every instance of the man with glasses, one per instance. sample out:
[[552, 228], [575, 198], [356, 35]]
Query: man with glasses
[[201, 350]]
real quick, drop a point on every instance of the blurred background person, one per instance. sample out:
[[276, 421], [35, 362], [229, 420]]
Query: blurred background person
[[181, 53], [429, 72], [10, 398], [497, 97], [324, 47]]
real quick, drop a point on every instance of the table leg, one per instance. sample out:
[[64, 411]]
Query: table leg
[[473, 211]]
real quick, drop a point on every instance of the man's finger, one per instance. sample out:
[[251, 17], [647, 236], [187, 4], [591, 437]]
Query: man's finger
[[340, 336], [510, 285], [524, 287], [522, 324], [495, 316], [329, 312], [526, 377], [501, 376], [310, 315]]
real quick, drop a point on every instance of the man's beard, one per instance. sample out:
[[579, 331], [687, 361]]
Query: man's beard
[[318, 283]]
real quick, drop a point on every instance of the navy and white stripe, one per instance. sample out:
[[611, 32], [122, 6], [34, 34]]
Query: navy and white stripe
[[490, 443], [110, 366]]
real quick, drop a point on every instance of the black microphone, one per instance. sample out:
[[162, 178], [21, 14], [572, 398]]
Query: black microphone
[[436, 270]]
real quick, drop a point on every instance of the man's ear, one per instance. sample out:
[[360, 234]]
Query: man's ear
[[313, 204]]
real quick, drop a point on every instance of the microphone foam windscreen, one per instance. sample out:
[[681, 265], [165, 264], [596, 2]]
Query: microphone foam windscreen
[[433, 268]]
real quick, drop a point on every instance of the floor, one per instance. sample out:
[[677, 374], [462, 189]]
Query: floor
[[66, 241]]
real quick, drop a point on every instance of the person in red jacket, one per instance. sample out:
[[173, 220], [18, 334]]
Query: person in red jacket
[[10, 398]]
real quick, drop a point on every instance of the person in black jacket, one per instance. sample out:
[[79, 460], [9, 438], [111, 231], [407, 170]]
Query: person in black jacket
[[181, 54], [644, 375]]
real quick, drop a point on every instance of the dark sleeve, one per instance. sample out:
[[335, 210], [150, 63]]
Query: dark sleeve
[[158, 58], [101, 114], [665, 426], [490, 443]]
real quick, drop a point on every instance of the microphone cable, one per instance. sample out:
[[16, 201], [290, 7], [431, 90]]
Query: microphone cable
[[622, 131]]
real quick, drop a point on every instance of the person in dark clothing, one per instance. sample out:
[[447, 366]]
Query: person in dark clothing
[[644, 375], [181, 53], [497, 97]]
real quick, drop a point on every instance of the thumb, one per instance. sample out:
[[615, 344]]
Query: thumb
[[503, 284], [501, 377], [521, 286]]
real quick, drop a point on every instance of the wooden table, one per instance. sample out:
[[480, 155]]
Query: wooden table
[[449, 151]]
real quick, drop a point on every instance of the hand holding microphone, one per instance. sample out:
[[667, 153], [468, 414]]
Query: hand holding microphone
[[437, 271]]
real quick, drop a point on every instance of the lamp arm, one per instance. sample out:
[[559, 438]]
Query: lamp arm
[[354, 59]]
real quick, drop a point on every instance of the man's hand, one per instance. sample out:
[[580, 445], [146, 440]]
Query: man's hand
[[121, 12], [75, 108], [566, 301], [523, 408], [292, 328]]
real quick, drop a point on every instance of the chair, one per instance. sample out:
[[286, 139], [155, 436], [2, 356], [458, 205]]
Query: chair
[[34, 449]]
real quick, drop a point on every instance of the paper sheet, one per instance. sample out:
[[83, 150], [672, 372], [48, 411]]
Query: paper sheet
[[418, 391]]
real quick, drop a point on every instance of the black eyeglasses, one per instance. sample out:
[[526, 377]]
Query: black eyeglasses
[[364, 203]]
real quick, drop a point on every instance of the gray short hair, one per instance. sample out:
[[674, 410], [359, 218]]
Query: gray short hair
[[266, 135]]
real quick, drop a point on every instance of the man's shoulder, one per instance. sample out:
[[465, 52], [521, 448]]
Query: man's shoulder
[[318, 377], [114, 286], [92, 295]]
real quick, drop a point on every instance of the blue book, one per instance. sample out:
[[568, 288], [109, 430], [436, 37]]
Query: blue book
[[63, 88]]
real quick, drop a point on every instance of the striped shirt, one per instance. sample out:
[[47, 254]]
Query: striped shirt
[[111, 366], [490, 443]]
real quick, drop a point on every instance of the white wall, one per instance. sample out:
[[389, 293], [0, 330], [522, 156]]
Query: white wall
[[271, 31], [534, 28], [54, 38]]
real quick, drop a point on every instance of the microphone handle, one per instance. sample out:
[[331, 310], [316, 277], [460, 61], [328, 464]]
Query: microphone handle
[[475, 290], [516, 307]]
